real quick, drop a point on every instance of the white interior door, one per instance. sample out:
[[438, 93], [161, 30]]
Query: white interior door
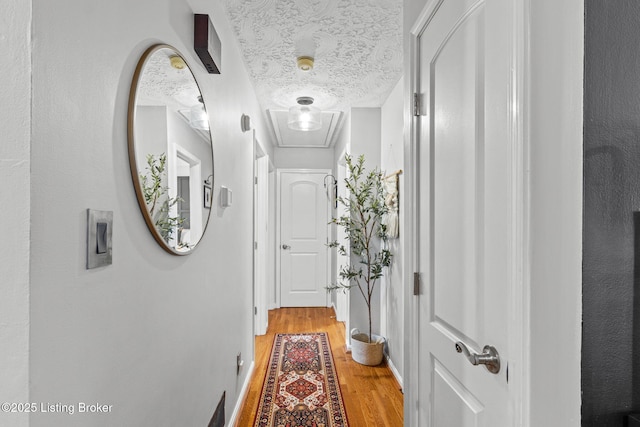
[[303, 238], [466, 210]]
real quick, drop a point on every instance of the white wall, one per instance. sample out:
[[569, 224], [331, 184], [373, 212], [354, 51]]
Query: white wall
[[340, 147], [391, 287], [343, 140], [152, 135], [365, 140], [15, 128], [556, 155], [303, 158], [154, 335], [365, 135]]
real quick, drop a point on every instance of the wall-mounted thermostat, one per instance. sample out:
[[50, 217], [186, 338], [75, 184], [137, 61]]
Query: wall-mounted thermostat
[[226, 197]]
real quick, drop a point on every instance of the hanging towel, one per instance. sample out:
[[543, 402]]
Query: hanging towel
[[391, 200]]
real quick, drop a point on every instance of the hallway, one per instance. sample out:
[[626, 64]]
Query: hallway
[[372, 396], [478, 102]]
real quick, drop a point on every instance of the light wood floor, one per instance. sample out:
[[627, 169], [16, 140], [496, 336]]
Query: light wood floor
[[372, 396]]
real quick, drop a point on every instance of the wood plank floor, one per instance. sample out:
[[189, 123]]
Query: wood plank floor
[[372, 396]]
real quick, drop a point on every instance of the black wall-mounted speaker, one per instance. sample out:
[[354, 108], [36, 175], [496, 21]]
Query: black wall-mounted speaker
[[206, 43]]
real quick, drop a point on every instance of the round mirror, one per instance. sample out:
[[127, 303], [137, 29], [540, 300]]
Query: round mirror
[[170, 150]]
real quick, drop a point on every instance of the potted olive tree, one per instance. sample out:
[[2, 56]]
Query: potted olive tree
[[366, 237]]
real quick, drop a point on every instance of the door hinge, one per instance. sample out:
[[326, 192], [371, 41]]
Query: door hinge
[[416, 105], [416, 283], [255, 245], [255, 311], [255, 180]]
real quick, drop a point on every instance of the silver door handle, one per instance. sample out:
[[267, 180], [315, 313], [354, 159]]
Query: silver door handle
[[286, 247], [489, 357]]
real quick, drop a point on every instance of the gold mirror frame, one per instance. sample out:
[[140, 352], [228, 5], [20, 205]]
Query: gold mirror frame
[[167, 226]]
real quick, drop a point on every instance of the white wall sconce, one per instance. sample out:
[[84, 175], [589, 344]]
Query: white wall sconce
[[304, 116]]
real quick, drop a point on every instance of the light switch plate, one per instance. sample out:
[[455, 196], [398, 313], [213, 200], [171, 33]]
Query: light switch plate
[[99, 234]]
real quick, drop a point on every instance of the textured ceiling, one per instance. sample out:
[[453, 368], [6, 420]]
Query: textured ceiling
[[161, 84], [357, 46]]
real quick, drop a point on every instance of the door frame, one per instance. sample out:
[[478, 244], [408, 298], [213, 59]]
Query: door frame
[[278, 245], [261, 166], [343, 299], [177, 151], [519, 362]]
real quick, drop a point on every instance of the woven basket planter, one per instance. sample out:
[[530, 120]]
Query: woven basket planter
[[365, 352]]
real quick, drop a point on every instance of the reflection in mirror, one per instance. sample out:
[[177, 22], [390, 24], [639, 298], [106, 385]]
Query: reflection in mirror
[[170, 150]]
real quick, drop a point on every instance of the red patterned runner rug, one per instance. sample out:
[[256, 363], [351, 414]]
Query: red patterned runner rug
[[301, 386]]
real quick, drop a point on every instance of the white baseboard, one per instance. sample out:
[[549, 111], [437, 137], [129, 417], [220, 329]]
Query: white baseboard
[[394, 370], [241, 396], [335, 310]]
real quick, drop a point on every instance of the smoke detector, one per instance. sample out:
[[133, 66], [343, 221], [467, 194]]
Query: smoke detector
[[177, 62]]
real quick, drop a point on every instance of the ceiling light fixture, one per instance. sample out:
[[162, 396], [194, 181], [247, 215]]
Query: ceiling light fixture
[[305, 63], [198, 117], [304, 116]]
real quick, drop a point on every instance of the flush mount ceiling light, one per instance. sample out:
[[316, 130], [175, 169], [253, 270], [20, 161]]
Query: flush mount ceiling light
[[304, 116], [198, 118], [305, 63]]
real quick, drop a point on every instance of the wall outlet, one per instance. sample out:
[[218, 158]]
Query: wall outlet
[[239, 363]]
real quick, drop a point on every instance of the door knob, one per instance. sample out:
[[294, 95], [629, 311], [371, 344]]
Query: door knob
[[286, 247], [489, 357]]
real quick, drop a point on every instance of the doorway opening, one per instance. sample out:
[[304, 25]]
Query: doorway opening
[[185, 177]]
